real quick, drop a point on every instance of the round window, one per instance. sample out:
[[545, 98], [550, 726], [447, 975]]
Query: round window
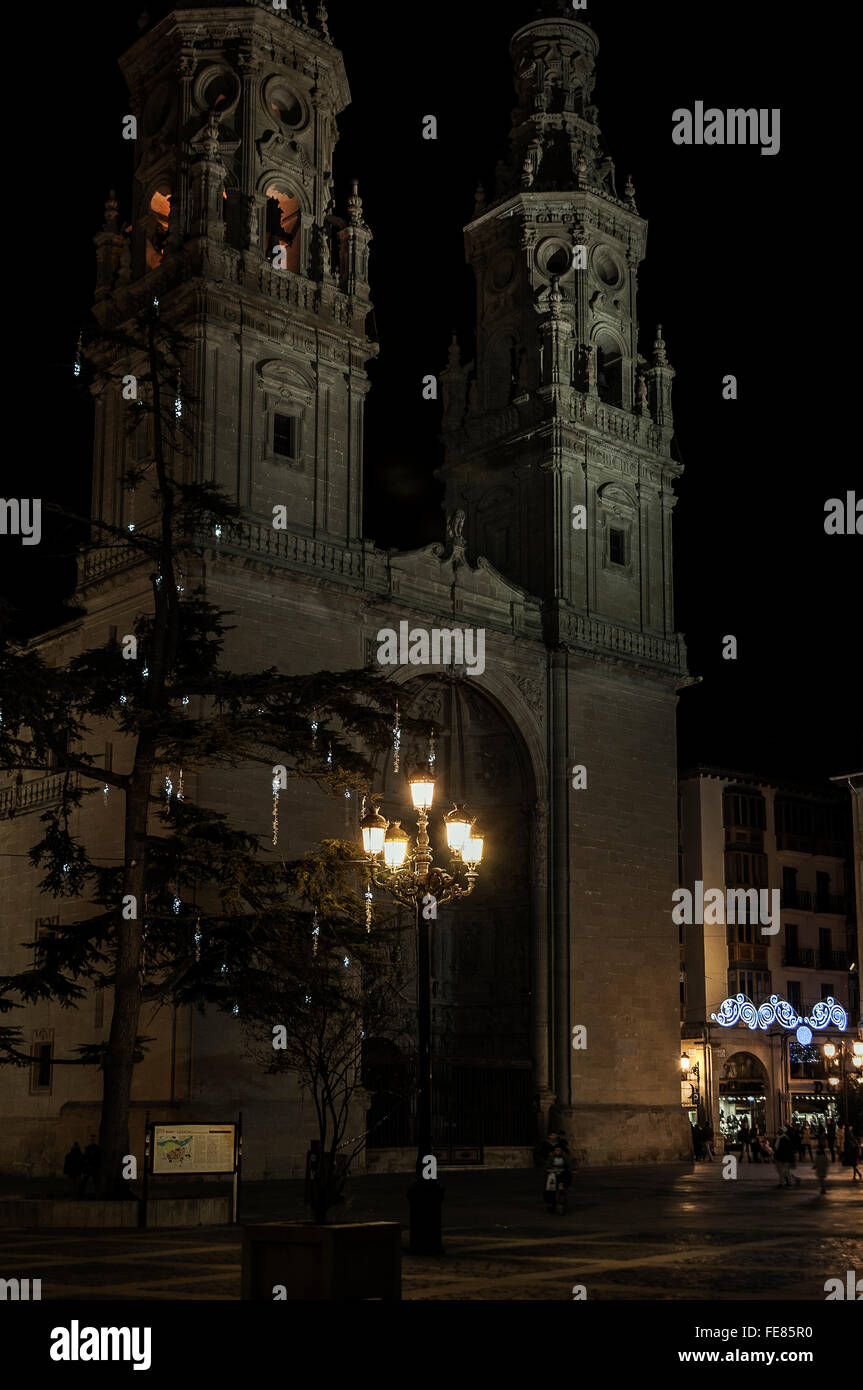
[[606, 267]]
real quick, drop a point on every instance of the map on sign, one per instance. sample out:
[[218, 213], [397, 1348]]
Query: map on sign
[[193, 1148]]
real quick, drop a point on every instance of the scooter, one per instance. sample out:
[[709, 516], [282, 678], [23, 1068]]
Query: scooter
[[555, 1192]]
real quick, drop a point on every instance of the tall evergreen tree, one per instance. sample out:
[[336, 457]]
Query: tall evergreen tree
[[196, 912]]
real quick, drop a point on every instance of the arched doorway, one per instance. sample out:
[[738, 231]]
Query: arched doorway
[[481, 946], [743, 1089]]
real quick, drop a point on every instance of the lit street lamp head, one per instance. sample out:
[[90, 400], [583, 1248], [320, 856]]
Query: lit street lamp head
[[422, 790], [395, 847], [374, 828], [458, 826]]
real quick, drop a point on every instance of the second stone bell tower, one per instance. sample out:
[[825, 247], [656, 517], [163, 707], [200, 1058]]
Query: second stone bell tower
[[560, 411], [234, 230]]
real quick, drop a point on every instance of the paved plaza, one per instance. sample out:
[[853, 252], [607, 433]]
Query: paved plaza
[[671, 1233]]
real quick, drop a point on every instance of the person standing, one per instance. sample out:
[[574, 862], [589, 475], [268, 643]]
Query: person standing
[[755, 1146], [821, 1163], [92, 1166], [73, 1165], [806, 1138], [851, 1154], [783, 1157], [745, 1140], [831, 1139]]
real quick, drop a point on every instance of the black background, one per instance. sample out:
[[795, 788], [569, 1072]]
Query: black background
[[735, 273]]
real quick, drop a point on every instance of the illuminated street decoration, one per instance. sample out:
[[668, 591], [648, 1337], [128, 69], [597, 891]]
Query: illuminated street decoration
[[776, 1010]]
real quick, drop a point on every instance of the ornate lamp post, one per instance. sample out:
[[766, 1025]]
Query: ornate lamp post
[[412, 880]]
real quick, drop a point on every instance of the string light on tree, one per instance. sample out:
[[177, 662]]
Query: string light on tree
[[397, 739]]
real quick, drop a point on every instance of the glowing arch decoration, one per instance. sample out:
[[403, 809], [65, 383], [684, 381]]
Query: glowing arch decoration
[[776, 1010]]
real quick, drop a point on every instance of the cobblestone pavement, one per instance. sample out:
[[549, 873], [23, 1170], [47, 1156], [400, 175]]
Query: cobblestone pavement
[[670, 1232]]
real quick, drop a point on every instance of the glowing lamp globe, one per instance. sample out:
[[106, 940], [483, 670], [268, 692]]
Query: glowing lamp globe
[[685, 1063], [471, 851], [457, 824], [829, 1050], [395, 846], [422, 791], [374, 829]]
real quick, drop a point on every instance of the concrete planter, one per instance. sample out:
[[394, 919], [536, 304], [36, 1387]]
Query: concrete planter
[[301, 1261]]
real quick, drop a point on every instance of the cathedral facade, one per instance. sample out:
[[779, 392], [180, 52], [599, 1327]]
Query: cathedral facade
[[555, 986]]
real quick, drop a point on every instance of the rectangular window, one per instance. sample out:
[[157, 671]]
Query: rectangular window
[[617, 546], [285, 436], [794, 994], [40, 1071], [43, 937]]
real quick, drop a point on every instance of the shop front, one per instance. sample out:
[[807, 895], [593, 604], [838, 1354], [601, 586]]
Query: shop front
[[743, 1097]]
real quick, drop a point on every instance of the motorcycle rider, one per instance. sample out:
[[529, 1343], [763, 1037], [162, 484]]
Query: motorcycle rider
[[561, 1165]]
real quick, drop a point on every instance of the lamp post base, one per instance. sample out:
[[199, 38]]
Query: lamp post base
[[425, 1199]]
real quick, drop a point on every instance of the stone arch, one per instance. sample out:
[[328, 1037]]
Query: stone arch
[[483, 950], [744, 1093]]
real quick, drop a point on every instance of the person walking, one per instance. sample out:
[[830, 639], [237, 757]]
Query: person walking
[[73, 1165], [745, 1140], [851, 1154], [783, 1157], [831, 1139], [755, 1146], [707, 1136], [821, 1164]]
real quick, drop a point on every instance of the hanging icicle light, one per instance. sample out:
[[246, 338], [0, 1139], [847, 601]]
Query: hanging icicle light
[[169, 787], [180, 785], [76, 370], [178, 401], [314, 727], [217, 532], [235, 1010], [277, 786], [198, 938], [369, 897], [330, 755], [348, 809], [397, 739], [316, 931], [105, 791], [432, 753], [347, 962], [177, 904]]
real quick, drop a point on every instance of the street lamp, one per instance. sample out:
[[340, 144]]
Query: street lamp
[[691, 1069], [411, 878]]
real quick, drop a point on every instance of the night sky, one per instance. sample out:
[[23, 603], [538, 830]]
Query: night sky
[[727, 275]]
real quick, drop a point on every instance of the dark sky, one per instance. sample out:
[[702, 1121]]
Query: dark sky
[[730, 273]]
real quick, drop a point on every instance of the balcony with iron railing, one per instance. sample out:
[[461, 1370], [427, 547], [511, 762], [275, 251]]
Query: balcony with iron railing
[[799, 957], [833, 960], [20, 797]]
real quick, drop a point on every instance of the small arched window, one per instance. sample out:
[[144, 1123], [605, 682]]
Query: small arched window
[[609, 370], [283, 226], [158, 216]]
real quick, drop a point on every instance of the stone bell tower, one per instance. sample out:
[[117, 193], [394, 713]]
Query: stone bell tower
[[560, 410], [557, 445], [234, 229]]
